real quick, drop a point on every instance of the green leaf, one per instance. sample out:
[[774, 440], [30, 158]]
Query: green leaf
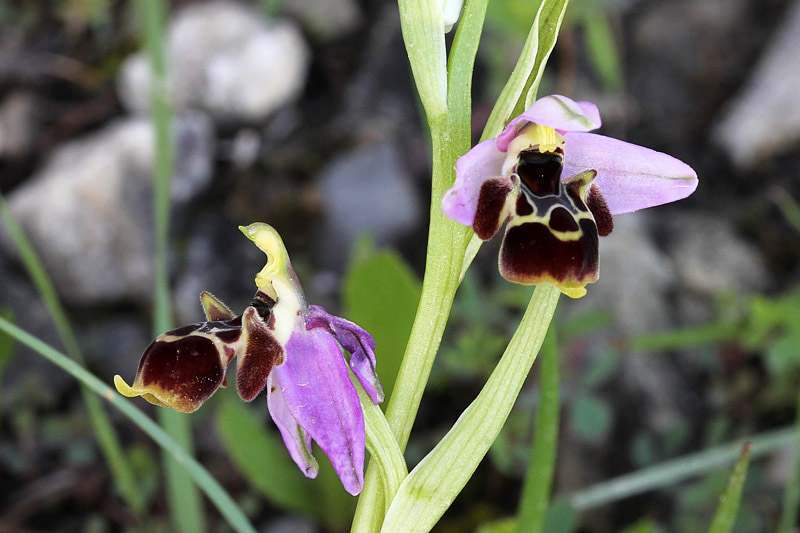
[[261, 457], [506, 525], [334, 507], [381, 294], [591, 417], [642, 526], [782, 356], [601, 368], [561, 517], [432, 486], [729, 501], [6, 341], [602, 49]]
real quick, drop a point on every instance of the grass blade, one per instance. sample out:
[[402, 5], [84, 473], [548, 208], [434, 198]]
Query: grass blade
[[728, 506], [227, 507], [678, 469], [538, 482], [101, 425], [185, 505]]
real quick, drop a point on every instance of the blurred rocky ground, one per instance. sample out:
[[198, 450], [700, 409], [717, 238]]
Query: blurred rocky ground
[[305, 117]]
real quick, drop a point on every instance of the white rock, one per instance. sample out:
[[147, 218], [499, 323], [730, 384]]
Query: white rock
[[634, 276], [88, 210], [764, 118], [711, 258], [227, 59]]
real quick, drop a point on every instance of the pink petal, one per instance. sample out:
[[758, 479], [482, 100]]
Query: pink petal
[[562, 113], [297, 441], [355, 340], [320, 397], [554, 111], [473, 168], [629, 176]]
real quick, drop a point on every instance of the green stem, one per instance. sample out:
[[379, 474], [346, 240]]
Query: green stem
[[101, 424], [383, 447], [671, 472], [538, 482], [444, 258], [435, 482], [226, 506]]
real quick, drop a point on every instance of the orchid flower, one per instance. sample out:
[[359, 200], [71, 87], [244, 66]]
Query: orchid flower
[[292, 349], [558, 187]]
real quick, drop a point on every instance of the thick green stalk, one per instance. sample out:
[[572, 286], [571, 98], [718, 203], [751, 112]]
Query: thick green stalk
[[226, 506], [445, 252], [445, 249], [423, 33], [539, 480], [101, 424], [185, 505], [435, 482]]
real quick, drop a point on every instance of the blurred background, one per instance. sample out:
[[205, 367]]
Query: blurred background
[[302, 114]]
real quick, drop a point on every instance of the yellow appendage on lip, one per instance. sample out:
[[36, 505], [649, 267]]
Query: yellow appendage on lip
[[544, 139]]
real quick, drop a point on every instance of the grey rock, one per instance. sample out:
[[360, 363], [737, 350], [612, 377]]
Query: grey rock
[[114, 345], [764, 118], [365, 191], [635, 277], [219, 259], [710, 257], [227, 59], [19, 126], [88, 210]]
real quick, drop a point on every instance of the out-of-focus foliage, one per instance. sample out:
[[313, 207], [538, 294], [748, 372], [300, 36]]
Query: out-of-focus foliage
[[728, 506], [591, 21], [6, 342], [380, 293]]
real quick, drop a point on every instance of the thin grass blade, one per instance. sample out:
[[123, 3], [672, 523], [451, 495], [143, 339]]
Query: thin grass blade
[[199, 475], [110, 447], [728, 506], [185, 505]]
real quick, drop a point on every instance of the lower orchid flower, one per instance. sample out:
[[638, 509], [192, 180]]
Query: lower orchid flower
[[558, 187], [283, 344]]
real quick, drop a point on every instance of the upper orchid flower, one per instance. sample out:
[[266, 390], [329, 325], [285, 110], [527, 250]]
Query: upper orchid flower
[[558, 186], [283, 344]]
